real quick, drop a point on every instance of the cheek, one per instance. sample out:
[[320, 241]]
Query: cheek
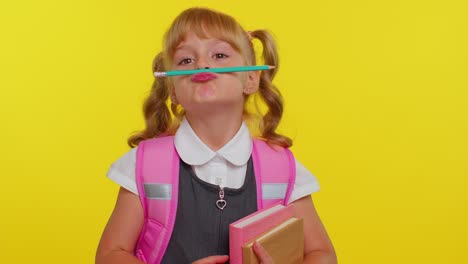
[[178, 84], [179, 94], [242, 78], [176, 81]]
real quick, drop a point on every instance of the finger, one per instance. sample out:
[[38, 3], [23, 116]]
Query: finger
[[262, 254], [212, 260]]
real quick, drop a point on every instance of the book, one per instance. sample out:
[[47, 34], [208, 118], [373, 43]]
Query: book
[[284, 243], [248, 228]]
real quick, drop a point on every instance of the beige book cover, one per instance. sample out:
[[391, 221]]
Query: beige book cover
[[284, 243]]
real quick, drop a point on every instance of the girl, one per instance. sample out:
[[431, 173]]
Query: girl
[[213, 143]]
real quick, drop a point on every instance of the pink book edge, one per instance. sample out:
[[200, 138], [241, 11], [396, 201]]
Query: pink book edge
[[238, 236]]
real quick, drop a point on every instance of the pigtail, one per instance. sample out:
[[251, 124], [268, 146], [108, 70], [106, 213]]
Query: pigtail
[[269, 92], [155, 109]]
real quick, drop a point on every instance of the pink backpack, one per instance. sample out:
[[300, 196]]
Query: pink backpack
[[157, 179]]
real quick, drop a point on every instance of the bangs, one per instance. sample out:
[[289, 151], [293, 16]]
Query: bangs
[[206, 23]]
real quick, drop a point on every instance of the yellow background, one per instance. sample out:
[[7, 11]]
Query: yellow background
[[376, 101]]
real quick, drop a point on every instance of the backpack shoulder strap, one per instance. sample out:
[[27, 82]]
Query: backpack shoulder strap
[[275, 173], [157, 178]]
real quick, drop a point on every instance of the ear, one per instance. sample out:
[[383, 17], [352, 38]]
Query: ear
[[174, 98], [252, 83]]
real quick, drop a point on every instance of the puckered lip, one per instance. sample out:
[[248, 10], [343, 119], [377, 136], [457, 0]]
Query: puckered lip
[[203, 77]]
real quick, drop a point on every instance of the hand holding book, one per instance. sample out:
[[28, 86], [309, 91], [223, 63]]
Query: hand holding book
[[261, 253]]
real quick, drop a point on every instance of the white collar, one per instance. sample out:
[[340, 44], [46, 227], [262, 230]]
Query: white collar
[[194, 152]]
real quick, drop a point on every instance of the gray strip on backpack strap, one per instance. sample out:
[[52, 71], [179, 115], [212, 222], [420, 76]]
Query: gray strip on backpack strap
[[158, 191], [274, 190]]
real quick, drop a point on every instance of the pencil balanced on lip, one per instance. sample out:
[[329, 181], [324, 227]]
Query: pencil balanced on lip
[[215, 70]]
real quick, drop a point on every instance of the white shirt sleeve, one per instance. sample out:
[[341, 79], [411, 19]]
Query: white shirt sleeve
[[306, 183], [122, 172]]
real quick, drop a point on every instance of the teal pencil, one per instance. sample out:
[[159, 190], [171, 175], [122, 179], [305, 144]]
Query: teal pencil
[[216, 70]]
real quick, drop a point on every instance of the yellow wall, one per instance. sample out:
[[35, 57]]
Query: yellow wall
[[376, 100]]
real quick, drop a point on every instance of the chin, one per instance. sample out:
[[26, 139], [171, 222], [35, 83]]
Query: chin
[[205, 91]]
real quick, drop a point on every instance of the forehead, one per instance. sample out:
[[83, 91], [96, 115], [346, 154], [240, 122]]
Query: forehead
[[179, 38], [192, 39], [190, 31]]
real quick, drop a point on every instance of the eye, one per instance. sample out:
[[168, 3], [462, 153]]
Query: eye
[[185, 61], [221, 56]]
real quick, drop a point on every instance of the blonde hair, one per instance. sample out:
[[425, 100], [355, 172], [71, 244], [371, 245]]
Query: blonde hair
[[209, 23]]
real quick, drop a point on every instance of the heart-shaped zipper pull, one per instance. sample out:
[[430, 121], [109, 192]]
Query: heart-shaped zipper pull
[[221, 203]]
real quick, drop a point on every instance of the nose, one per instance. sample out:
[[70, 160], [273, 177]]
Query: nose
[[202, 63]]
